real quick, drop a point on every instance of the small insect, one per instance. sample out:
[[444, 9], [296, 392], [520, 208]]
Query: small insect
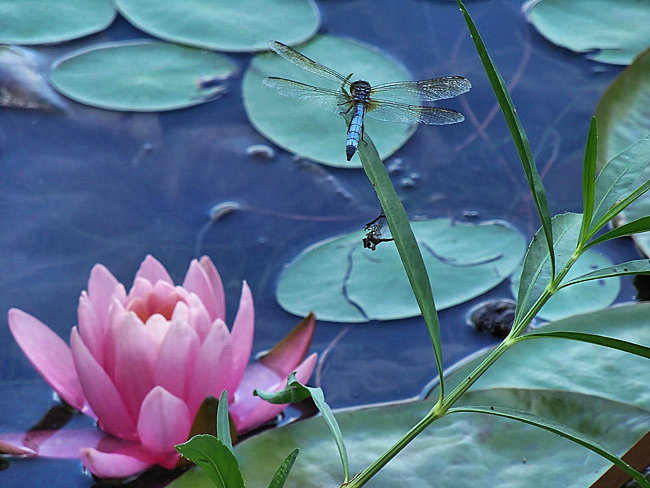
[[389, 102], [373, 233]]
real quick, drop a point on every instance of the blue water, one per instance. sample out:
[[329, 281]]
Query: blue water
[[88, 186]]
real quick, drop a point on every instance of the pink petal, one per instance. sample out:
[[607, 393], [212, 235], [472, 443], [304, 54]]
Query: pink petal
[[91, 329], [174, 367], [157, 327], [242, 333], [103, 288], [141, 289], [101, 393], [249, 411], [217, 287], [118, 462], [116, 317], [196, 281], [212, 371], [287, 354], [198, 317], [49, 354], [57, 444], [152, 270], [134, 363], [164, 421]]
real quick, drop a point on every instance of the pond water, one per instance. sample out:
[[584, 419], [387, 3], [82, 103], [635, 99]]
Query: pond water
[[86, 185]]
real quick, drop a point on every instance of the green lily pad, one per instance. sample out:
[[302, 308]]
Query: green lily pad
[[139, 75], [582, 297], [617, 30], [343, 282], [46, 22], [305, 128], [224, 25], [598, 391]]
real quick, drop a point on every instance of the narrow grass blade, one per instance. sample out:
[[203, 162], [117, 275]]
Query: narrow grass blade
[[223, 421], [281, 474], [589, 179], [405, 242], [213, 457], [295, 392], [517, 132], [599, 340], [557, 428]]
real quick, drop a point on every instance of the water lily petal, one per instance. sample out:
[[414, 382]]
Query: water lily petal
[[164, 421], [101, 393], [152, 270], [213, 372], [91, 330], [198, 317], [157, 327], [57, 444], [217, 287], [250, 411], [287, 354], [242, 333], [49, 354], [119, 462], [103, 288], [196, 281], [135, 357], [140, 290], [174, 367], [116, 315]]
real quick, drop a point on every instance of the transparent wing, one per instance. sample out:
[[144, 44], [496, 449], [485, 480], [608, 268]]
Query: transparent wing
[[305, 63], [412, 114], [334, 101], [427, 90]]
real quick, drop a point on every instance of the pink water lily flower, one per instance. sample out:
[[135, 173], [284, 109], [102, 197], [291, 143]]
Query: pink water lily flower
[[141, 363]]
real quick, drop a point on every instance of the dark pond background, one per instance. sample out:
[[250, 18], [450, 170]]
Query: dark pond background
[[88, 185]]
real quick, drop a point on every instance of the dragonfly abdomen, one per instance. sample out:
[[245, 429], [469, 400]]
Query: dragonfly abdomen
[[354, 132]]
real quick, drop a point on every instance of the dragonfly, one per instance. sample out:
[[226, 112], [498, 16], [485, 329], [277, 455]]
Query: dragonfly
[[391, 102]]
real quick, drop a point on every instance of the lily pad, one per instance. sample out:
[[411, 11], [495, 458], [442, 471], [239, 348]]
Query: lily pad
[[46, 22], [139, 75], [224, 25], [582, 297], [343, 282], [617, 31], [305, 128]]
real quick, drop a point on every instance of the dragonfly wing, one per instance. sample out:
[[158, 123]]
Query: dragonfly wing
[[412, 114], [334, 101], [426, 90], [306, 63]]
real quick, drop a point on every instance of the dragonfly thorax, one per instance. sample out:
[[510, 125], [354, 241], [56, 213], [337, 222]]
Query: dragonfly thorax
[[360, 91]]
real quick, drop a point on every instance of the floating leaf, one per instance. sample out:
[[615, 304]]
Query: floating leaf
[[139, 75], [305, 128], [581, 297], [618, 30], [343, 282], [224, 25], [45, 21]]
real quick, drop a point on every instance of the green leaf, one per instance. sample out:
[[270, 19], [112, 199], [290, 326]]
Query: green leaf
[[281, 474], [295, 392], [213, 457], [624, 109], [44, 22], [517, 132], [640, 209], [489, 451], [622, 204], [636, 226], [639, 266], [343, 282], [223, 421], [612, 32], [556, 428], [617, 180], [585, 296], [305, 128], [600, 340], [139, 75], [589, 179], [224, 25], [536, 272]]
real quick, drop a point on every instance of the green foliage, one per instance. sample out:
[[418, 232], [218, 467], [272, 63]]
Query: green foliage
[[214, 458]]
